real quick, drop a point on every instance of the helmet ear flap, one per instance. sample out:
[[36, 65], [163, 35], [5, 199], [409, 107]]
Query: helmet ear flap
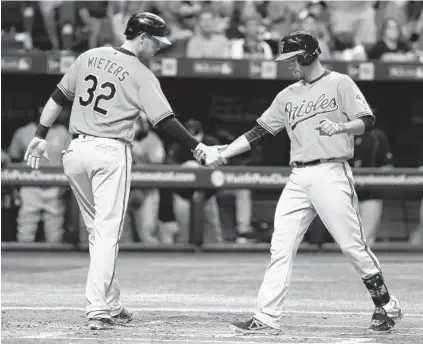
[[300, 59]]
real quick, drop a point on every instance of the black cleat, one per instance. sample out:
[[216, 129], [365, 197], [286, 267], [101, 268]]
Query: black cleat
[[125, 316], [100, 323], [254, 326], [384, 318]]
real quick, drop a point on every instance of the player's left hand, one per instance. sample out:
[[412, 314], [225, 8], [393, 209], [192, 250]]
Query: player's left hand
[[209, 156], [329, 128], [36, 149]]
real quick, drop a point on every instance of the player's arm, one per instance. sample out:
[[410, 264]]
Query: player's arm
[[160, 114], [64, 93], [269, 123], [353, 104], [360, 125], [245, 142]]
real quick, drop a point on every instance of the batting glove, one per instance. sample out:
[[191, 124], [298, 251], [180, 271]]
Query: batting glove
[[329, 128], [209, 156], [36, 149]]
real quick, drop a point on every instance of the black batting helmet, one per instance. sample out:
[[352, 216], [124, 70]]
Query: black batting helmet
[[301, 44], [148, 23]]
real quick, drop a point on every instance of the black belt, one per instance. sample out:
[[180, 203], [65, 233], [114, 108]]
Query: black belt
[[82, 136], [311, 163], [85, 136]]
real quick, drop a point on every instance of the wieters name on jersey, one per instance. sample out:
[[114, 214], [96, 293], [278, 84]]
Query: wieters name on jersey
[[108, 66]]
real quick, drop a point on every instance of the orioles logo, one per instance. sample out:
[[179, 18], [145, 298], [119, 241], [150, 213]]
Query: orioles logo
[[301, 112]]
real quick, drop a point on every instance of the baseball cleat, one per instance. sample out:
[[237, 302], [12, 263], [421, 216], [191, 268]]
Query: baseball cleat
[[125, 316], [253, 326], [384, 318], [100, 323]]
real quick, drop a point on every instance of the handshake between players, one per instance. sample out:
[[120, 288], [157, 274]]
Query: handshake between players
[[211, 156]]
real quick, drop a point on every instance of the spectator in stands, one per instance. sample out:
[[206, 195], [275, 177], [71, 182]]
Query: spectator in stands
[[143, 207], [252, 46], [96, 13], [41, 203], [181, 24], [355, 19], [391, 46], [346, 48], [243, 197], [309, 22], [415, 20], [232, 31], [280, 20], [9, 205], [181, 198], [180, 20], [205, 42], [223, 11], [168, 227], [5, 158], [120, 19], [416, 237], [320, 10], [372, 149]]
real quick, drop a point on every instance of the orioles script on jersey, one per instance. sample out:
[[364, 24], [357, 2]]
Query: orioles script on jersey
[[311, 109]]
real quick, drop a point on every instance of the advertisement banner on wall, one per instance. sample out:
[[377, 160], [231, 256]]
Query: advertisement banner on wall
[[405, 72], [16, 64], [232, 177], [66, 63], [216, 68]]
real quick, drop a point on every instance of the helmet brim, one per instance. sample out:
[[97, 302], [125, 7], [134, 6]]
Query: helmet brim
[[163, 40], [287, 56]]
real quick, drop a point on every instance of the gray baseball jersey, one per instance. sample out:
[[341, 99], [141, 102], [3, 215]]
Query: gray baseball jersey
[[300, 107], [109, 88]]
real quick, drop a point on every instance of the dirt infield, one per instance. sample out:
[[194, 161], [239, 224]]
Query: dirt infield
[[192, 297]]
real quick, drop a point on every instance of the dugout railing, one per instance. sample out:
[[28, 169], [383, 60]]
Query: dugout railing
[[201, 179]]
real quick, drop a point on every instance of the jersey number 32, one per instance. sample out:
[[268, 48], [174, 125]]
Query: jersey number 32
[[109, 93]]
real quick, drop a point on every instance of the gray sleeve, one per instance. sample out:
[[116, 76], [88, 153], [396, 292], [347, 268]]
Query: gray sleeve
[[272, 119]]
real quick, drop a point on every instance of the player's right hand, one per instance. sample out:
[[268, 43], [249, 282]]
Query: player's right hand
[[36, 149], [209, 156]]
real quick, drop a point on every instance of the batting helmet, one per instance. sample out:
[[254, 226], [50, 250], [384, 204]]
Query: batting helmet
[[148, 23], [301, 44]]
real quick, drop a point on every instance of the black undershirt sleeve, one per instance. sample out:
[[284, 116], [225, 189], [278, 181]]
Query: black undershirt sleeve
[[256, 134], [173, 127], [59, 97], [369, 122]]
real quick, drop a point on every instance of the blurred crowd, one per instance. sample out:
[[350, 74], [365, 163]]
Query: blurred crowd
[[346, 30]]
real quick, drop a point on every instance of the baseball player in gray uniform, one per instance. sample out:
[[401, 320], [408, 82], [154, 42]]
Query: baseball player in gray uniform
[[109, 88], [321, 113]]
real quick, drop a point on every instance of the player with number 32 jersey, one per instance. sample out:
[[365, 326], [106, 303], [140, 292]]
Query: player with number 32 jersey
[[109, 88], [112, 87]]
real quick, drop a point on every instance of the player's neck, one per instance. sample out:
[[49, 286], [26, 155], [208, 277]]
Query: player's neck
[[128, 46], [314, 72]]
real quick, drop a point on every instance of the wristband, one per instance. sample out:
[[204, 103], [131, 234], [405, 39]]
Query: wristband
[[42, 131]]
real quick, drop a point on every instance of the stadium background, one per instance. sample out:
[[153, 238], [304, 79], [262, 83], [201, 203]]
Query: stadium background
[[41, 39]]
